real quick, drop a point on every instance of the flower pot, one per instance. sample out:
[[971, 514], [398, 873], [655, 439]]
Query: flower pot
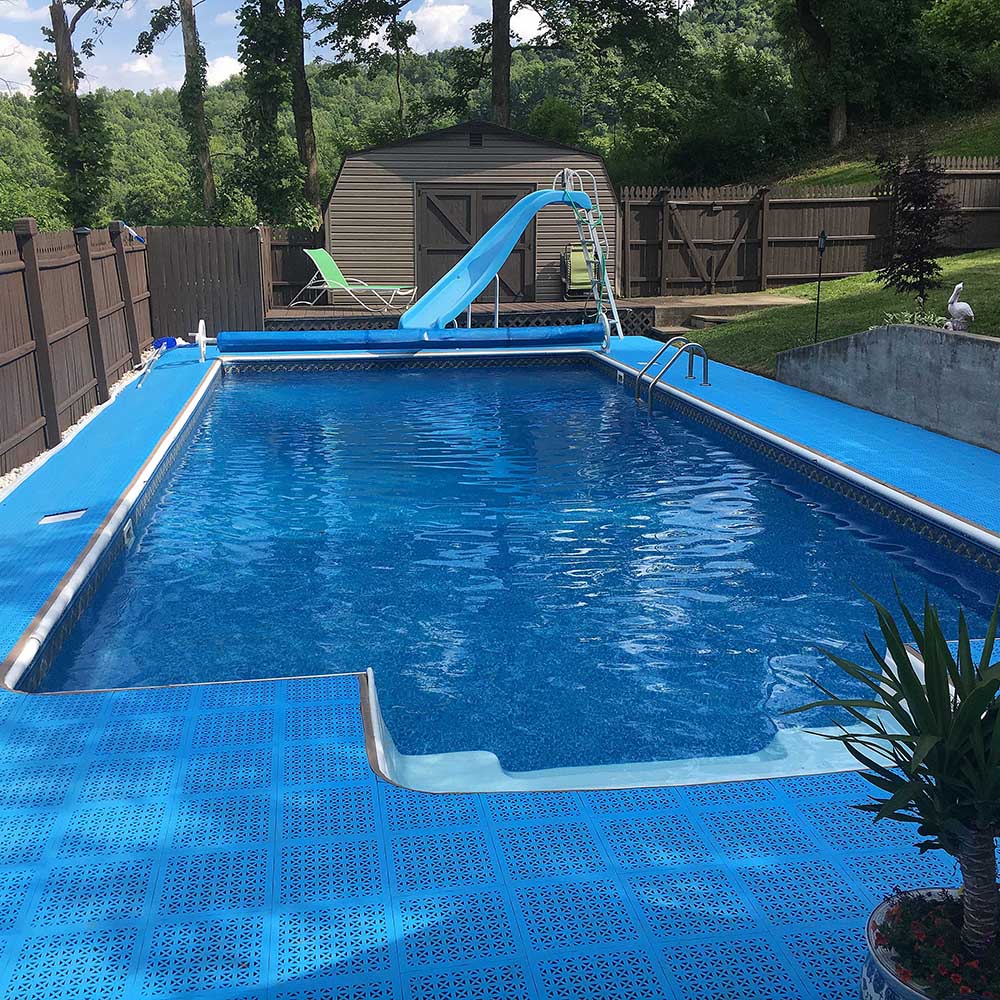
[[878, 977]]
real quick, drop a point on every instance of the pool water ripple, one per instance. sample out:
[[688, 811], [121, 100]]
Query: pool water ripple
[[529, 562]]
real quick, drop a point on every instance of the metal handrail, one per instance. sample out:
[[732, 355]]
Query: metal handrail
[[652, 361], [691, 348]]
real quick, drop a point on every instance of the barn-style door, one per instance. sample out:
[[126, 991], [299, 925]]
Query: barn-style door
[[451, 218]]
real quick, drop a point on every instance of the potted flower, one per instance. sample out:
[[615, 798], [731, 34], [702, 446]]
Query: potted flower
[[928, 733]]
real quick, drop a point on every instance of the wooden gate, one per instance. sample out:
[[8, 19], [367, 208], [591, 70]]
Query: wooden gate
[[727, 252], [450, 219]]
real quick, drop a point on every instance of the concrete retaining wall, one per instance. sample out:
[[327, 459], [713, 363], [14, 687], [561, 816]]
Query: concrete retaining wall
[[946, 382]]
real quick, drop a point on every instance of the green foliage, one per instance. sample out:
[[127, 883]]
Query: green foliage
[[83, 163], [923, 217], [931, 746], [970, 24], [29, 181], [555, 119], [932, 743], [269, 173]]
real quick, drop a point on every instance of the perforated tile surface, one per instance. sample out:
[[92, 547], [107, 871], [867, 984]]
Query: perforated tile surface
[[229, 850]]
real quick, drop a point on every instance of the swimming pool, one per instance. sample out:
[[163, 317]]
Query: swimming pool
[[530, 565]]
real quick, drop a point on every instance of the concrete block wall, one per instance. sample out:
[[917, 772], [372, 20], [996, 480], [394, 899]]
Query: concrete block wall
[[947, 382]]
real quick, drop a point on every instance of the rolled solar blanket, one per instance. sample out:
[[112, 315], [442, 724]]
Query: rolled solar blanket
[[318, 341]]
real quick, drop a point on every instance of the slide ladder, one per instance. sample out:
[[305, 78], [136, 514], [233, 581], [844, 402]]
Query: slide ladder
[[593, 240]]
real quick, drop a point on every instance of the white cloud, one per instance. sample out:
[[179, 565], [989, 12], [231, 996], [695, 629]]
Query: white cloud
[[227, 19], [441, 25], [222, 68], [526, 24], [21, 10], [15, 60], [150, 72]]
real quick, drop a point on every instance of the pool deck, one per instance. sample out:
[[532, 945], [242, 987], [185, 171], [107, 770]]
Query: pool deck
[[230, 841]]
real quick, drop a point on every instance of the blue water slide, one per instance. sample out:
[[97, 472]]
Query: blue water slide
[[453, 293]]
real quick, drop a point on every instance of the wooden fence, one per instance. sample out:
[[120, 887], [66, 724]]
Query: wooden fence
[[288, 268], [210, 273], [731, 239], [74, 315]]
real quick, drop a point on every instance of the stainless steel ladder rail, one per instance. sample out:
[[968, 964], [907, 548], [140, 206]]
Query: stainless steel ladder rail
[[688, 347], [652, 361]]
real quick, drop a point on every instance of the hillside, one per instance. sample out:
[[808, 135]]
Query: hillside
[[848, 306], [971, 134]]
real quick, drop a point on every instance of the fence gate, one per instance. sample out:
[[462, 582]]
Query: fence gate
[[712, 241]]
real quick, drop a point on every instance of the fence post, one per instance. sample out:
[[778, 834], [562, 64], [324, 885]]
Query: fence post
[[625, 268], [125, 282], [765, 237], [664, 241], [93, 318], [25, 231]]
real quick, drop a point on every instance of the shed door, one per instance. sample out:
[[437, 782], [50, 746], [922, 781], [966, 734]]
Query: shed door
[[450, 219]]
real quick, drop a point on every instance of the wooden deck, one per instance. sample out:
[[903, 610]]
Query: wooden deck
[[669, 309]]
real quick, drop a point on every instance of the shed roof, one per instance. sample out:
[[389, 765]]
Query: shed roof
[[480, 125]]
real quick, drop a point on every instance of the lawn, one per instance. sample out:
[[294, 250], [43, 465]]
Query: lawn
[[976, 134], [848, 306]]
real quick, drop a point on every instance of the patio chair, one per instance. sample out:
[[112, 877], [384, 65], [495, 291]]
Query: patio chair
[[576, 278], [329, 278]]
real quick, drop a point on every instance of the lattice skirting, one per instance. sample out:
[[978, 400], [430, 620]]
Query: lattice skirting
[[636, 321]]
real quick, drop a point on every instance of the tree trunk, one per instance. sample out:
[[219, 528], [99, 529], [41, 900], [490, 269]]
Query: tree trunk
[[305, 134], [978, 862], [399, 89], [838, 122], [192, 99], [500, 57], [62, 39]]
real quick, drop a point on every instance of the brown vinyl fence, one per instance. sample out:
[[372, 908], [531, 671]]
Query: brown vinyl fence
[[680, 241], [214, 273], [74, 315], [289, 268]]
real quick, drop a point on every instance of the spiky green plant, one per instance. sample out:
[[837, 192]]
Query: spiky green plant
[[932, 748]]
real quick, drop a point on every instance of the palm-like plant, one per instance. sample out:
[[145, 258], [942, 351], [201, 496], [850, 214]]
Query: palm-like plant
[[932, 748]]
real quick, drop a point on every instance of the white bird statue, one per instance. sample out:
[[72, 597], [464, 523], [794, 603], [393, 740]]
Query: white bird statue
[[960, 312]]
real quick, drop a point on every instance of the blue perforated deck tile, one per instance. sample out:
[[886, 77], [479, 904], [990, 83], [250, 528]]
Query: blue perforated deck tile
[[951, 474], [230, 842]]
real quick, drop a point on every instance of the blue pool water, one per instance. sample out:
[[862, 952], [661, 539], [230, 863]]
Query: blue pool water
[[530, 564]]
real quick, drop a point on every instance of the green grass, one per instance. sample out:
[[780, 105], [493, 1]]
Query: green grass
[[848, 306], [975, 134]]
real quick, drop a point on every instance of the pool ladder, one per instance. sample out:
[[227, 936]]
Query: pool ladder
[[682, 345]]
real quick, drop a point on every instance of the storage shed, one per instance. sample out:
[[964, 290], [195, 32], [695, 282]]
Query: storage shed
[[404, 213]]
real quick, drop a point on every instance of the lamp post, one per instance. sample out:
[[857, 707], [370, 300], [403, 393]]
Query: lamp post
[[820, 249]]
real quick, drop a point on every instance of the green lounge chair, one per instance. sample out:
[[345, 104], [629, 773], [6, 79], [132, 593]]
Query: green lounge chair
[[329, 278], [576, 278]]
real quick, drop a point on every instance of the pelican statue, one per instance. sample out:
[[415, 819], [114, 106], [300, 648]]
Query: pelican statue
[[960, 312]]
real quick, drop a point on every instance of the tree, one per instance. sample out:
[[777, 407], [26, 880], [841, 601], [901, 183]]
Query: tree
[[368, 34], [842, 62], [192, 94], [923, 216], [500, 56], [305, 134], [74, 127], [270, 173]]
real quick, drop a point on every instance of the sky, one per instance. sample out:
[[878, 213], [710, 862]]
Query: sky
[[440, 24]]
